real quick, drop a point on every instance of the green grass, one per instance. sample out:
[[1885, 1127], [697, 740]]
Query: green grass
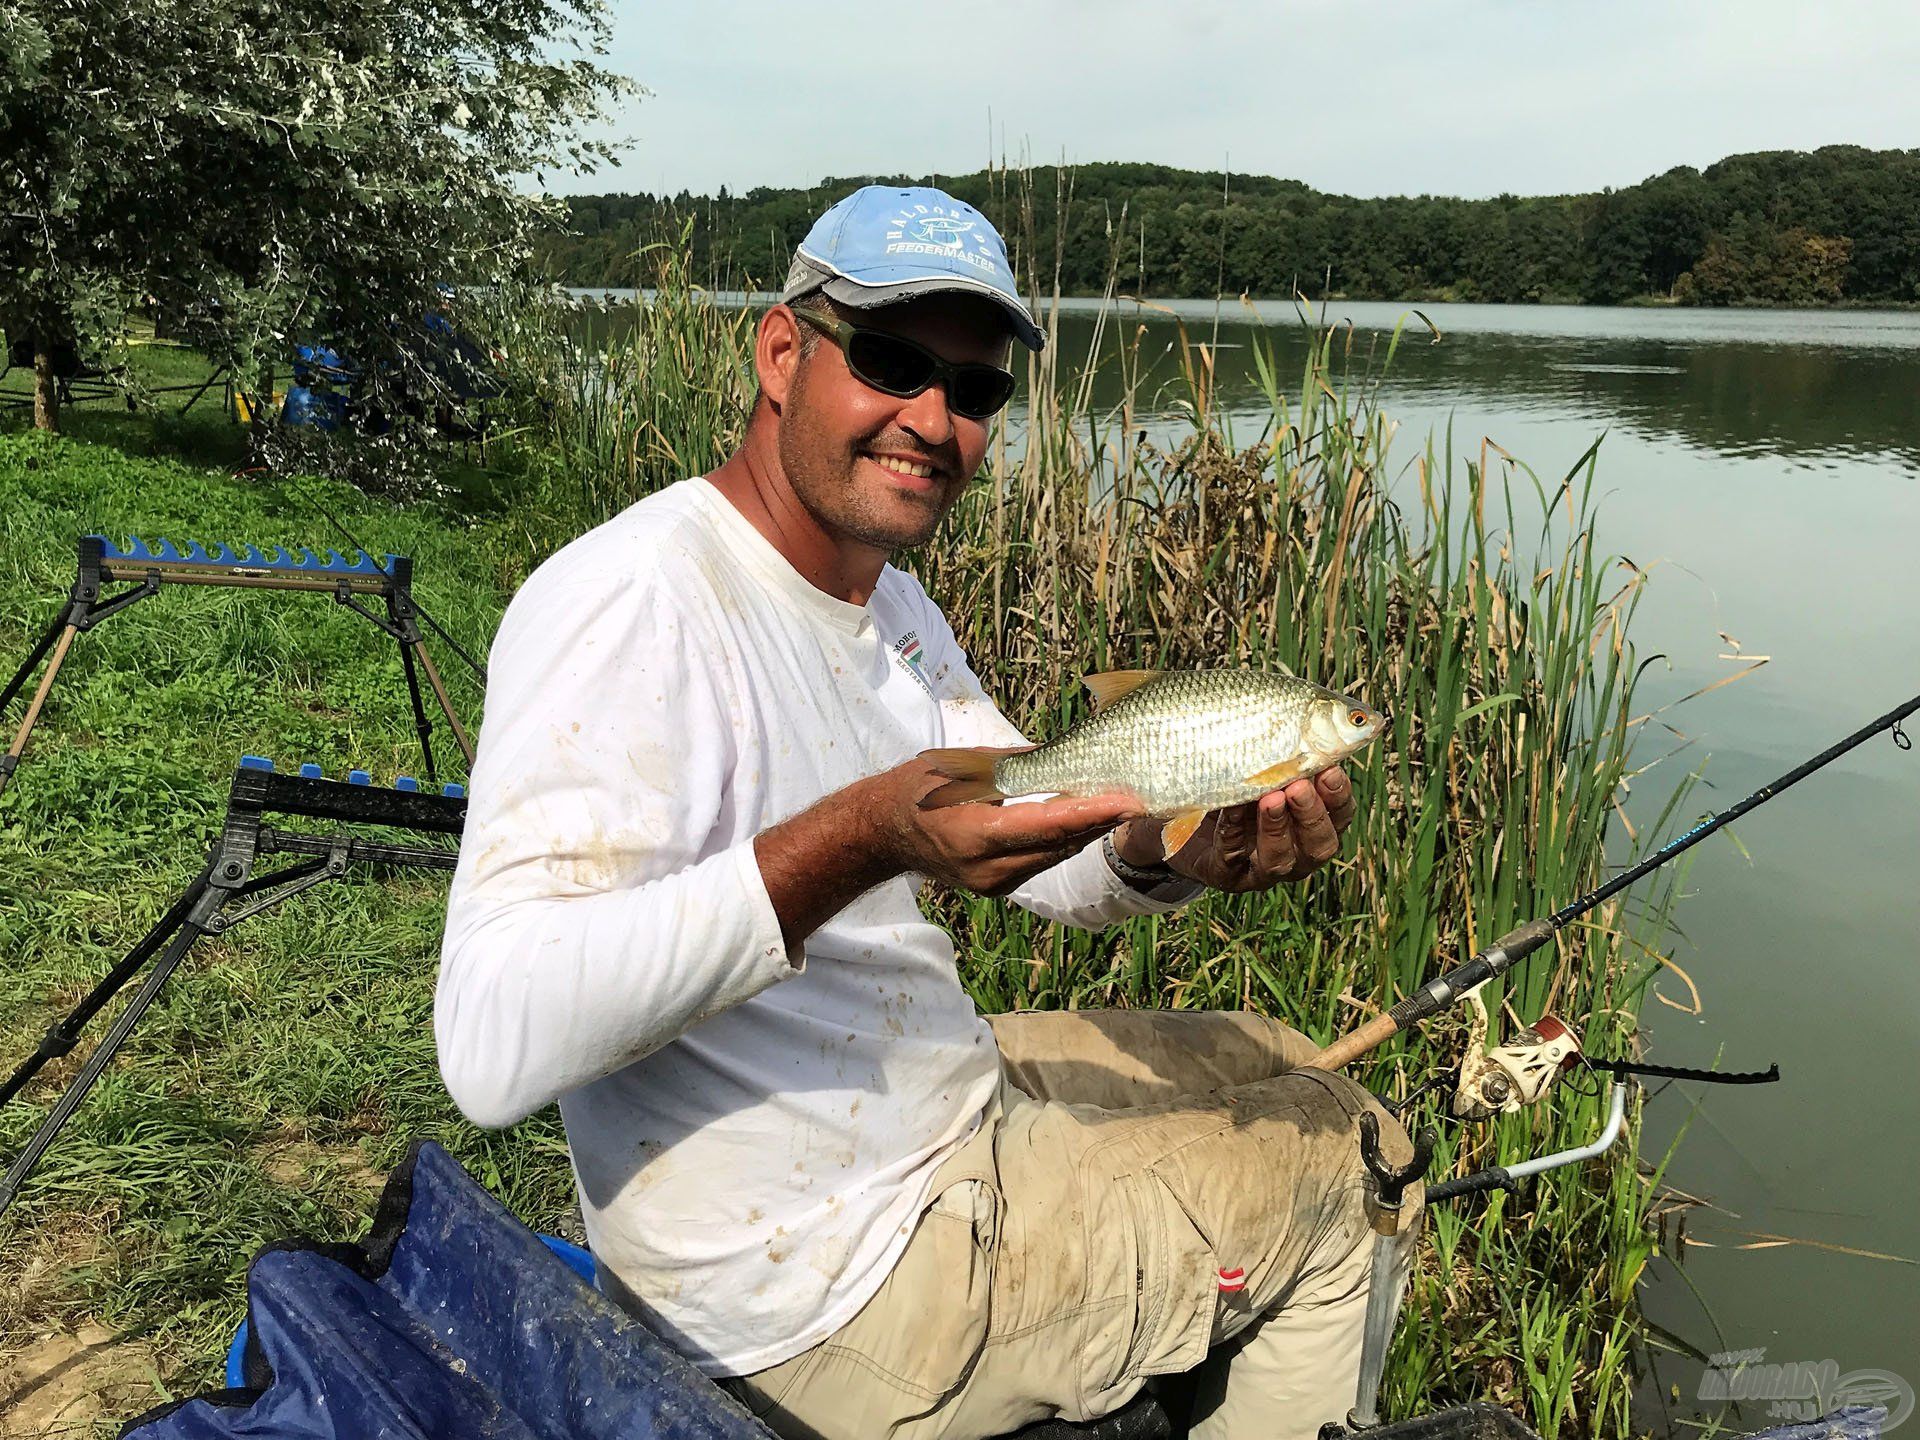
[[284, 1059], [156, 422], [1472, 599]]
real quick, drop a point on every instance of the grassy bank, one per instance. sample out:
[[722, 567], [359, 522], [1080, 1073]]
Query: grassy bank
[[287, 1064], [291, 1061]]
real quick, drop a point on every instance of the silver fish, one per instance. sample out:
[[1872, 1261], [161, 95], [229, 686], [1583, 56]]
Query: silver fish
[[1185, 742]]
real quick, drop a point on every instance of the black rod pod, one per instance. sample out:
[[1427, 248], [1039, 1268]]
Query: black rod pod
[[1392, 1182]]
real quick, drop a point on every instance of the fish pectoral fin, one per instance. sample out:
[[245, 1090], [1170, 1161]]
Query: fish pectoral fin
[[1179, 830], [1111, 685], [969, 776], [1274, 776]]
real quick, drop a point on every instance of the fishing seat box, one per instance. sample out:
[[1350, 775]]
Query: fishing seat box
[[451, 1318]]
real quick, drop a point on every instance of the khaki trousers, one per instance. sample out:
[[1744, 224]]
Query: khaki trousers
[[1149, 1186]]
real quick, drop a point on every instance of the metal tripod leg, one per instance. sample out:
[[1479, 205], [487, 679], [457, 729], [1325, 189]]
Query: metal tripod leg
[[66, 631], [402, 613], [422, 726], [64, 620], [63, 1036], [96, 1063], [221, 374], [1388, 1273], [446, 705]]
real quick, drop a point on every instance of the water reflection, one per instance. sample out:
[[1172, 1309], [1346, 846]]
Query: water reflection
[[1839, 392]]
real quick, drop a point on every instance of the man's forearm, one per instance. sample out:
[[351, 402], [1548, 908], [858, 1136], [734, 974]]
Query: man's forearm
[[820, 861]]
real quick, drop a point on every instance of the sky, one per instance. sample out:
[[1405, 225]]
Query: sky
[[1361, 97]]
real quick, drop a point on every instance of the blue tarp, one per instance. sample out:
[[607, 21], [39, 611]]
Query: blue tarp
[[450, 1318], [1850, 1422]]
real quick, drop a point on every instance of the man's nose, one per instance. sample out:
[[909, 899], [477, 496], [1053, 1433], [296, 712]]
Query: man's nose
[[927, 415]]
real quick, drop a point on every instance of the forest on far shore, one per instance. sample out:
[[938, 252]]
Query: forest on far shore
[[1838, 225]]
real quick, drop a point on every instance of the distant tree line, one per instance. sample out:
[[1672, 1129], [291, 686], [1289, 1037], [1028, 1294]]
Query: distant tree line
[[1835, 225]]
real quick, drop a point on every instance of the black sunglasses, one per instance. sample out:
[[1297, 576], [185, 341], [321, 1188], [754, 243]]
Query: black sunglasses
[[895, 366]]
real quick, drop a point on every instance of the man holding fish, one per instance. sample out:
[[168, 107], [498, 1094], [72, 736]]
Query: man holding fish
[[725, 743]]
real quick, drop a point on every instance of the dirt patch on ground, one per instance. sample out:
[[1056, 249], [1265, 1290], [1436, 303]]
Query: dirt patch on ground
[[67, 1385], [292, 1162], [36, 1266]]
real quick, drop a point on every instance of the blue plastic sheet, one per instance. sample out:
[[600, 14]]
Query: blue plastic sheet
[[451, 1318], [1851, 1422]]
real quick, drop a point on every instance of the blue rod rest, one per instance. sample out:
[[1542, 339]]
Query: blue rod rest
[[311, 770], [248, 557]]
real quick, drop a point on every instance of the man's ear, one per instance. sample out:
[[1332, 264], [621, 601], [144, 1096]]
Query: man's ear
[[776, 353]]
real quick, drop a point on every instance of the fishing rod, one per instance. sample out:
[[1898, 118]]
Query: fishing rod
[[1513, 947]]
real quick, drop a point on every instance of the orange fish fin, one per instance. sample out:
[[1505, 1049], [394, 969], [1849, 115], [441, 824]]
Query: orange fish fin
[[1111, 685], [1274, 776], [1179, 830], [969, 777]]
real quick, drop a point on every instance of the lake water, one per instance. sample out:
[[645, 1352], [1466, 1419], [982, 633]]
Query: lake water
[[1767, 465]]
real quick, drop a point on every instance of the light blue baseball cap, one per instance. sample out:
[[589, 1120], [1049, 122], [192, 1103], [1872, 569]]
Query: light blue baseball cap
[[886, 243]]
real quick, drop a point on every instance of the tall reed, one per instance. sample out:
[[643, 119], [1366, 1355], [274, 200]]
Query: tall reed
[[1473, 602], [620, 399], [1467, 596]]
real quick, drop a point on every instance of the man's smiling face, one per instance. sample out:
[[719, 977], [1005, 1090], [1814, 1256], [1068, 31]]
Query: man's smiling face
[[873, 467]]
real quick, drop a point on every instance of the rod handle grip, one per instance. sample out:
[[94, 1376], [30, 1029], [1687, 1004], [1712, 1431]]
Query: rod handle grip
[[1352, 1046]]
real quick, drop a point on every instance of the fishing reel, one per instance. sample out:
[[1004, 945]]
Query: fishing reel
[[1501, 1079]]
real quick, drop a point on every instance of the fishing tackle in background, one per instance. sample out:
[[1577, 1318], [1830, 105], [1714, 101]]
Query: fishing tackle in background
[[1505, 1078]]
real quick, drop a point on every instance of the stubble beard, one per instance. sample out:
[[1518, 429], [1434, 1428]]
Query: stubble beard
[[829, 488]]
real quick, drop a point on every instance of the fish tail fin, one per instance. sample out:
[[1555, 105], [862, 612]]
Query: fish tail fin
[[969, 777]]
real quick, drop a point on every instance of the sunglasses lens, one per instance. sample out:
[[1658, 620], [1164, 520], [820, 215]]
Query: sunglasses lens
[[979, 391], [898, 367], [888, 364]]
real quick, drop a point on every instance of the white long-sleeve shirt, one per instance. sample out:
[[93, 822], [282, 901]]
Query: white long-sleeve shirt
[[753, 1129]]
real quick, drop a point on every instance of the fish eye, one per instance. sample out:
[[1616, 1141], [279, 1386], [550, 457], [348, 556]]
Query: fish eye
[[1357, 719]]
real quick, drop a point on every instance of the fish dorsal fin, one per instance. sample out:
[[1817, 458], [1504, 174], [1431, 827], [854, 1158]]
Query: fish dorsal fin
[[1111, 685]]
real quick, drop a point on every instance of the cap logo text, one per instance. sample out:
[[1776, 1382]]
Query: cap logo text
[[933, 230]]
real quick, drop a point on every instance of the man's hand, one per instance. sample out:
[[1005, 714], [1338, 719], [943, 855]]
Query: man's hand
[[1282, 837], [991, 848], [819, 861]]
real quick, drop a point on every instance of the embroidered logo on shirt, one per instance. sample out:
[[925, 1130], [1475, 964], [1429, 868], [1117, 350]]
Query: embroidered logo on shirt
[[907, 649]]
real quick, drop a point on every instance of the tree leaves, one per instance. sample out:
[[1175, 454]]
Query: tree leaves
[[260, 172]]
